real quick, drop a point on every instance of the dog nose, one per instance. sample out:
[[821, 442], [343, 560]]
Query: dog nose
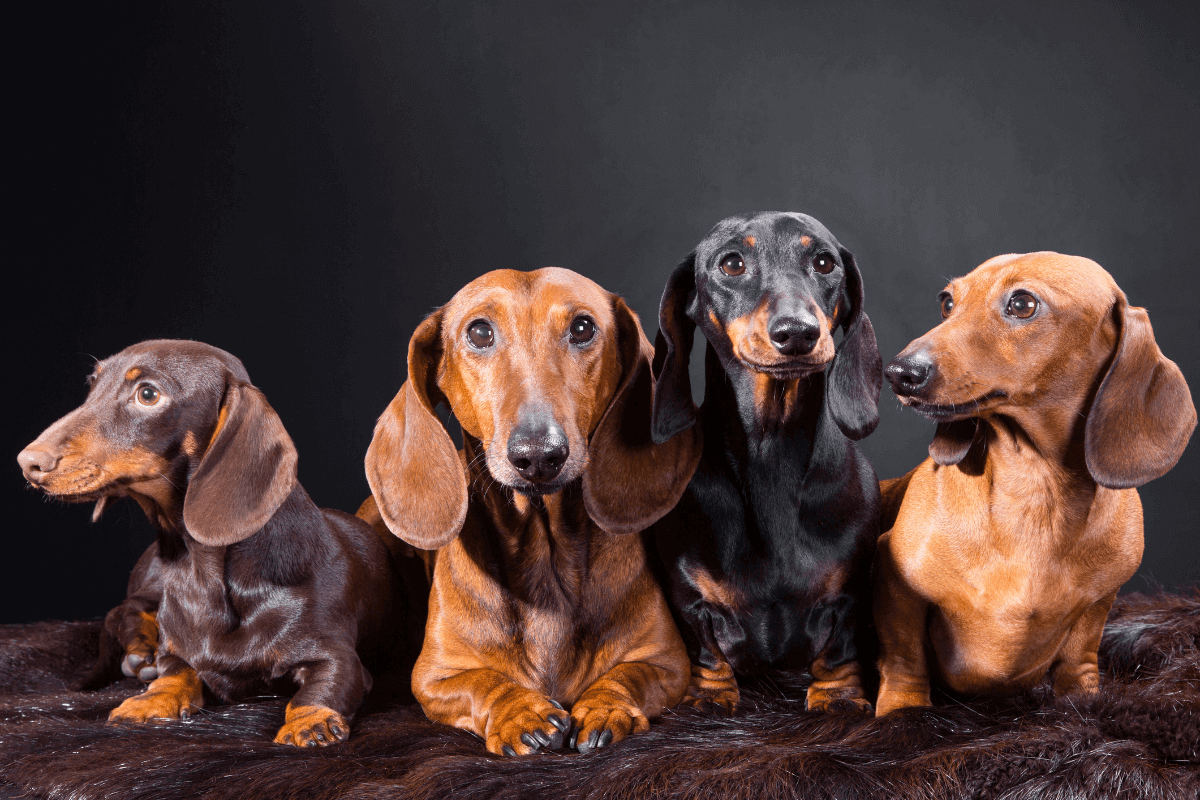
[[538, 451], [35, 463], [794, 337], [910, 374]]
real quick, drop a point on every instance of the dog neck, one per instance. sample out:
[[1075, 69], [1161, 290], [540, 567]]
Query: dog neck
[[776, 419], [538, 547]]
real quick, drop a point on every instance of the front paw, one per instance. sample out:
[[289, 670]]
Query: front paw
[[140, 646], [153, 705], [848, 698], [313, 726], [598, 724], [889, 701], [720, 701], [525, 722]]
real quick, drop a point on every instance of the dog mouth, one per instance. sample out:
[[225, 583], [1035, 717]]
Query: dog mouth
[[789, 370], [949, 412]]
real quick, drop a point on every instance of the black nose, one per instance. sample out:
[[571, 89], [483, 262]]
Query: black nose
[[35, 463], [538, 450], [794, 337], [910, 374]]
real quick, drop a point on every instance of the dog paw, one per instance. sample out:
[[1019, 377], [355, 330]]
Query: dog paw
[[721, 703], [313, 726], [889, 701], [140, 645], [599, 726], [139, 663], [151, 705], [846, 700], [530, 725]]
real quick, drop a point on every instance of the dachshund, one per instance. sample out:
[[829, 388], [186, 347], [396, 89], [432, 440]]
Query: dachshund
[[1002, 552], [249, 589], [768, 553], [545, 624]]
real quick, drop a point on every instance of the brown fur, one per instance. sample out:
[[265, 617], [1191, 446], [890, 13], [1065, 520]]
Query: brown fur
[[537, 599], [1002, 553]]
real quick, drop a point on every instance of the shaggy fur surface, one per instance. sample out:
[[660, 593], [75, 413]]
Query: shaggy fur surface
[[1139, 738]]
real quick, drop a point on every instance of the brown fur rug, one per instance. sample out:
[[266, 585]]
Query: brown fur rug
[[1140, 738]]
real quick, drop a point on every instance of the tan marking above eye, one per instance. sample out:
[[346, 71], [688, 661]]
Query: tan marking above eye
[[805, 240], [133, 374], [749, 241]]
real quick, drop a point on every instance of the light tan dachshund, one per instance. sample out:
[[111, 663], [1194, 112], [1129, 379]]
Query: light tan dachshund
[[1003, 552], [545, 624]]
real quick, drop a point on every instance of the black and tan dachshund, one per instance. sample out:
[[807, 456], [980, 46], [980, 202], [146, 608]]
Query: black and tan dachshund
[[257, 591], [768, 553]]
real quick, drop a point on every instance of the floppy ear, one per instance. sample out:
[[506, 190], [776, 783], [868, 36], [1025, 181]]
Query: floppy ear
[[953, 441], [1142, 416], [412, 467], [247, 472], [854, 377], [674, 410], [631, 481]]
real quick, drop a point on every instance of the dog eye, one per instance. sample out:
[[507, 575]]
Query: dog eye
[[1022, 305], [733, 264], [147, 395], [947, 305], [480, 334], [824, 263], [582, 330]]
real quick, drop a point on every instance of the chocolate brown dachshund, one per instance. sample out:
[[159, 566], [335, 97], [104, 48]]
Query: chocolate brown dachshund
[[1003, 552], [545, 624], [257, 591]]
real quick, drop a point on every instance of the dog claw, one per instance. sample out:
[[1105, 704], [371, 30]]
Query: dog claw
[[508, 751]]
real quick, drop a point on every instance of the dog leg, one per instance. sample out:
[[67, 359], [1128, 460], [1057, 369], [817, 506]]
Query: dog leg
[[1076, 671], [176, 693], [833, 686], [900, 616], [330, 692], [713, 685]]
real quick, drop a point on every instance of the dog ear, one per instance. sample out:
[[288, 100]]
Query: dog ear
[[632, 480], [412, 466], [953, 441], [854, 377], [674, 411], [246, 473], [1142, 415]]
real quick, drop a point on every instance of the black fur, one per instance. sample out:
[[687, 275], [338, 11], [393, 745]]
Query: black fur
[[781, 498], [1139, 738]]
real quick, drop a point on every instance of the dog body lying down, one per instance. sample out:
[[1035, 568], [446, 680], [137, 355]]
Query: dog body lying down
[[1003, 552], [544, 620], [768, 553], [258, 590]]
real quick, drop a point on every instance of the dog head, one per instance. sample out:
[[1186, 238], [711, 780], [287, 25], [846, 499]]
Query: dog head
[[1050, 341], [769, 291], [177, 426], [551, 374]]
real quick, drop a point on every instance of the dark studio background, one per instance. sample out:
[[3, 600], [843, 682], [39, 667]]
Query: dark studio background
[[300, 183]]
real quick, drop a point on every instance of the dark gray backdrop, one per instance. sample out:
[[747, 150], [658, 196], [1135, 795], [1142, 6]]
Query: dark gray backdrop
[[301, 183]]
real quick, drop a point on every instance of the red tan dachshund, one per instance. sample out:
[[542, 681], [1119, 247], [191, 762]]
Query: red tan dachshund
[[257, 591], [545, 624], [1003, 551]]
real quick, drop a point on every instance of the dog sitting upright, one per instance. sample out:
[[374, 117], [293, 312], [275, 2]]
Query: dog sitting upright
[[1003, 552], [769, 551], [543, 617], [261, 591]]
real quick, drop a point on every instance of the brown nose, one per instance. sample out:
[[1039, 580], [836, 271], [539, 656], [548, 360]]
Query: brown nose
[[35, 463]]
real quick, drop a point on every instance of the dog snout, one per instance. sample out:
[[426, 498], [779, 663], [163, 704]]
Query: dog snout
[[37, 462], [537, 449], [794, 335], [909, 374]]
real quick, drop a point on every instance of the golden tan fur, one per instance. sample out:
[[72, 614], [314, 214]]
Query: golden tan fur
[[536, 597], [1001, 561]]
